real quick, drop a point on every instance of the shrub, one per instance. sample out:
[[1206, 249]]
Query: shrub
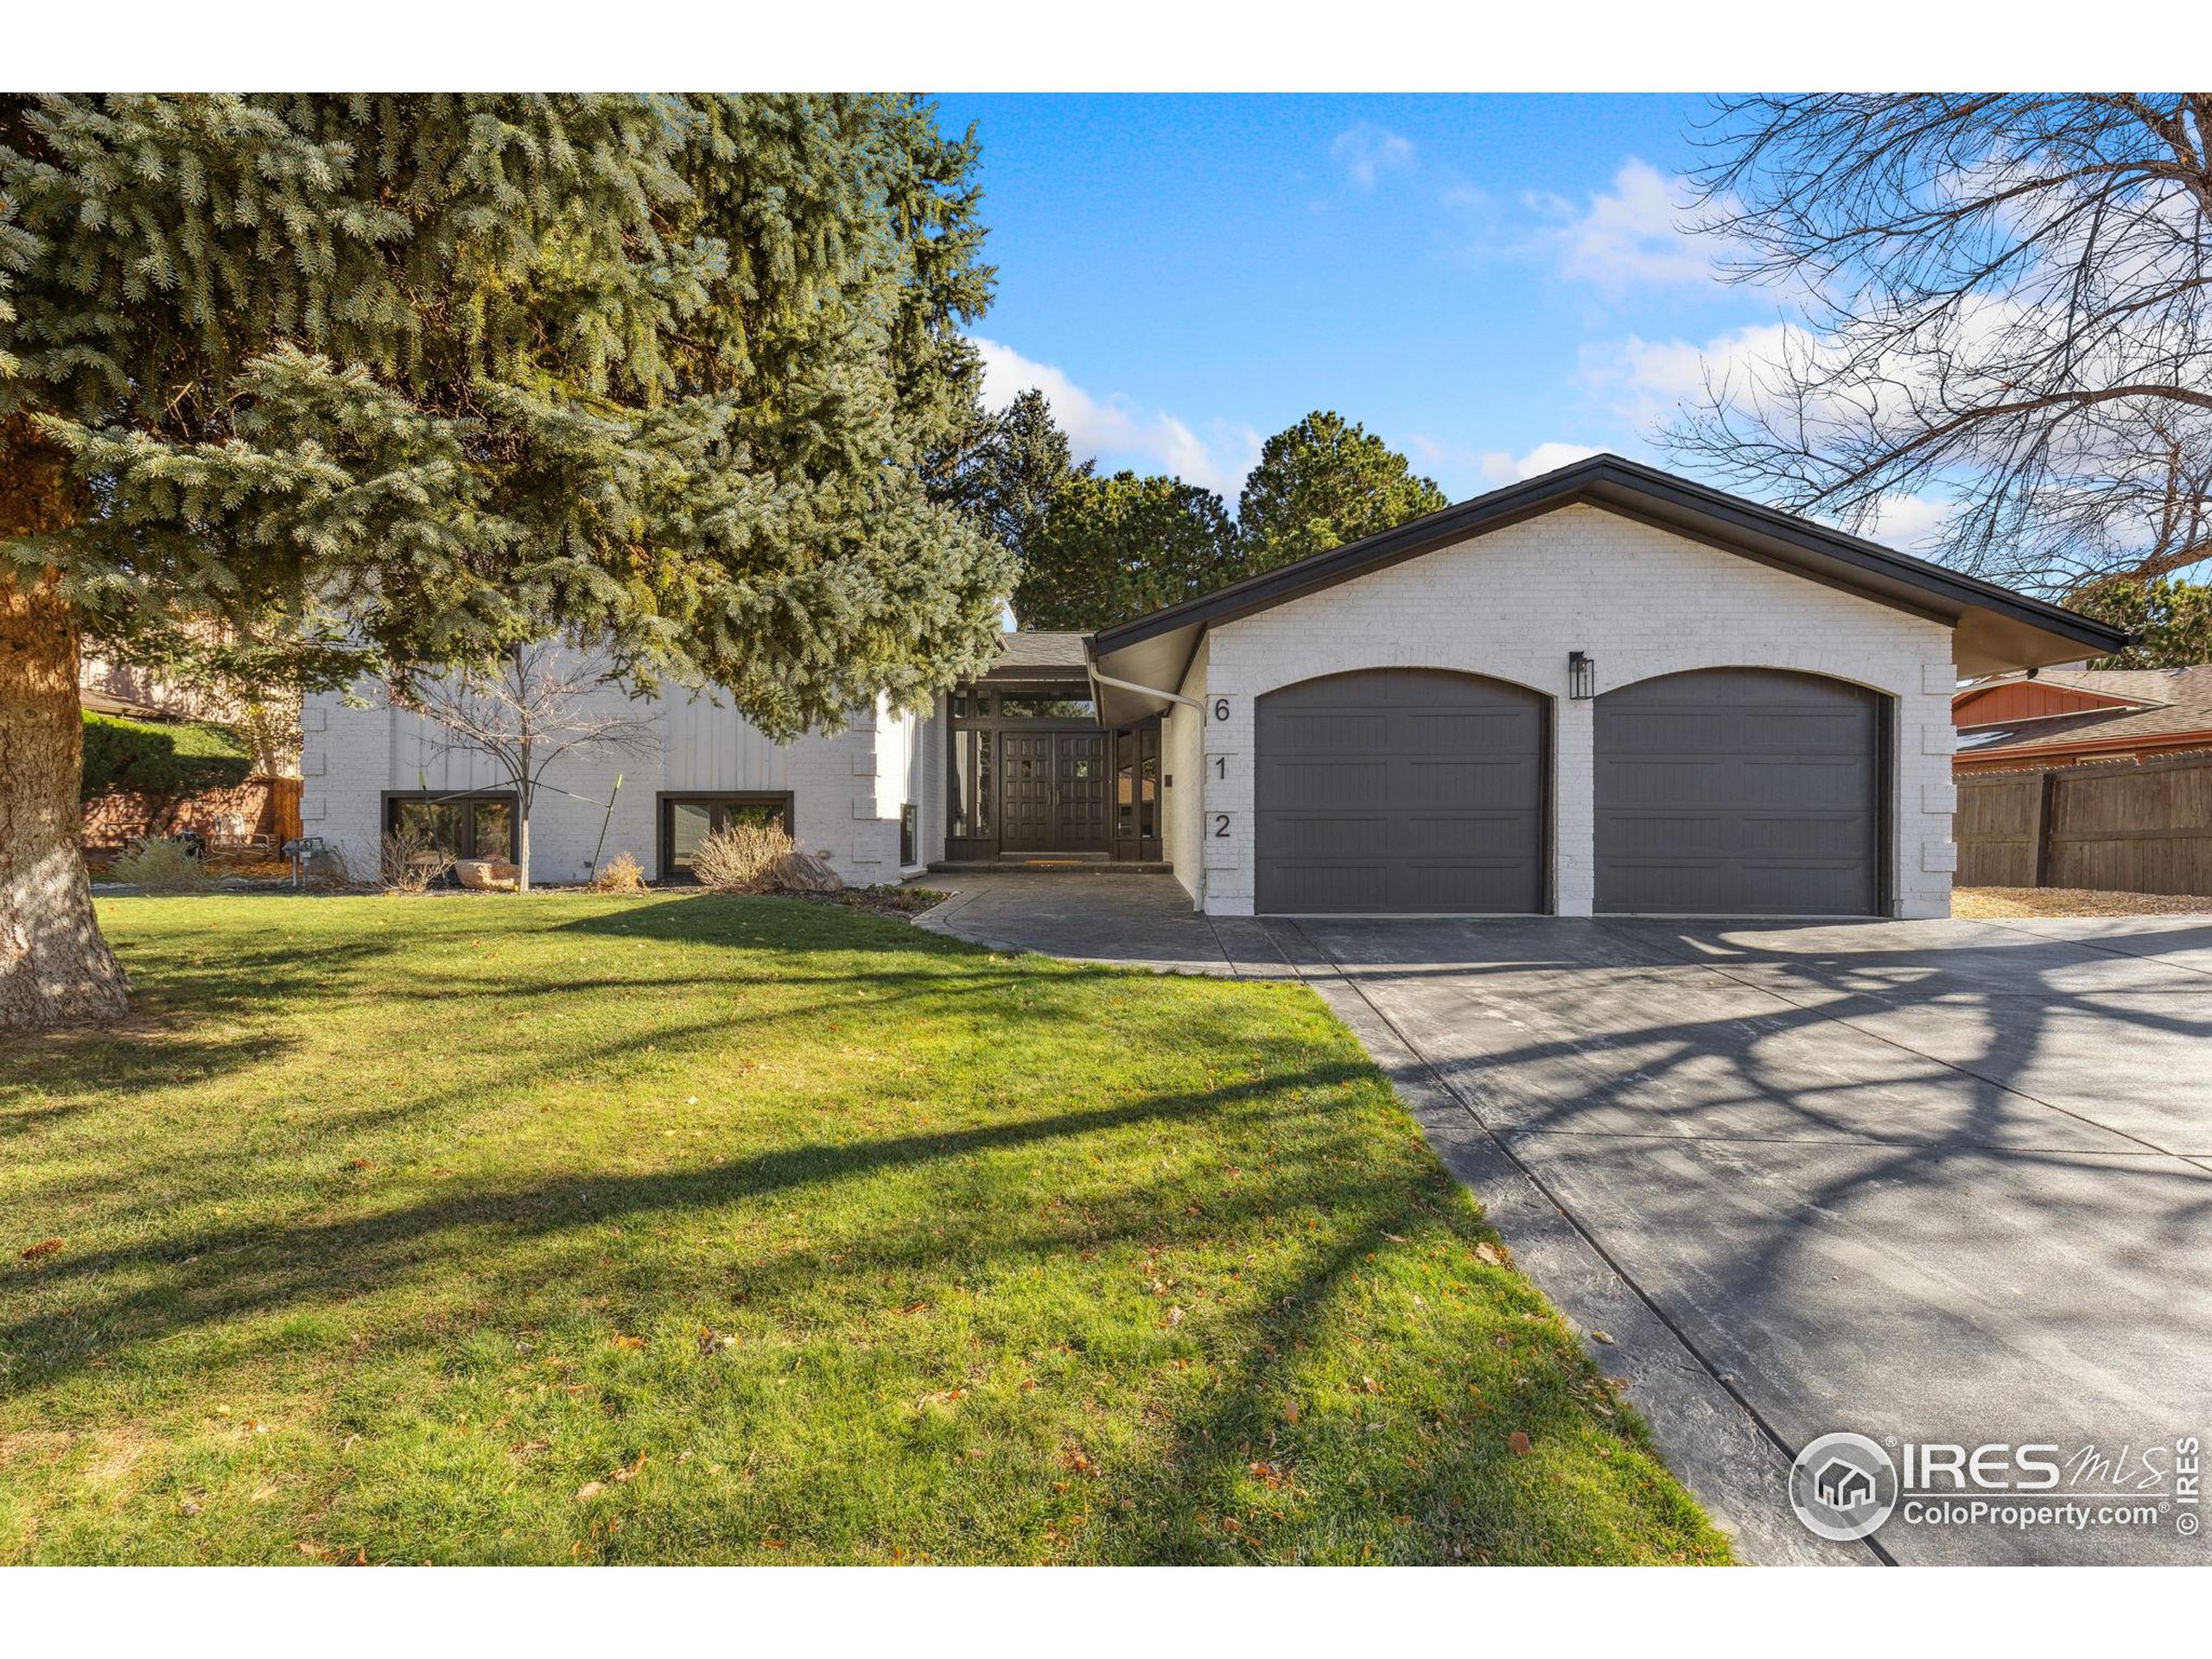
[[742, 858], [141, 758], [325, 871], [409, 861], [160, 865], [621, 874]]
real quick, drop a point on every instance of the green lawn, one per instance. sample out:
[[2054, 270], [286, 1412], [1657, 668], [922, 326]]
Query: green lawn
[[480, 1229]]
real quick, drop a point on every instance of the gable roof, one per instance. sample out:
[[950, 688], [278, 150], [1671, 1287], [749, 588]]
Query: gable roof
[[1994, 628], [2164, 706], [1032, 650]]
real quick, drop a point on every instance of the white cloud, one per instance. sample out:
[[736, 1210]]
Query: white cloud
[[1112, 426], [1496, 467], [1630, 235], [1912, 522], [1503, 467], [1367, 151], [1645, 382]]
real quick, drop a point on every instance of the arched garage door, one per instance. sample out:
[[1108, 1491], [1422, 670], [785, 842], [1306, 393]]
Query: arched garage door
[[1733, 791], [1399, 790]]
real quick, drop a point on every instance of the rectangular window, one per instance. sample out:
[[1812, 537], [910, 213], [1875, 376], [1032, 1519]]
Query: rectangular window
[[460, 826], [686, 820], [985, 786], [909, 828]]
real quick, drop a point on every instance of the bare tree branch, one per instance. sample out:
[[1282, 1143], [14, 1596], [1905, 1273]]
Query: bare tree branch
[[545, 702], [2005, 305]]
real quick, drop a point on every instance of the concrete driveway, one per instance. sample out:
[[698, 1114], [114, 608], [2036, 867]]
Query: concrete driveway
[[1931, 1181]]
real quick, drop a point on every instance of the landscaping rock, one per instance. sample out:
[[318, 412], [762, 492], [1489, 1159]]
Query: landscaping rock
[[486, 875], [799, 872]]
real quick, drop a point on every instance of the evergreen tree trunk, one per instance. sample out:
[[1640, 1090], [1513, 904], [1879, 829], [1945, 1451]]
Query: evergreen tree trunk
[[55, 969]]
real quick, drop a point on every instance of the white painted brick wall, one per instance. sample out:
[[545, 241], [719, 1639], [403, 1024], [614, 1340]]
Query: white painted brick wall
[[1182, 761], [352, 756], [1639, 600]]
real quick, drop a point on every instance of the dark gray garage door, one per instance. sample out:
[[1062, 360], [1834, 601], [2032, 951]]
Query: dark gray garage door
[[1737, 791], [1405, 790]]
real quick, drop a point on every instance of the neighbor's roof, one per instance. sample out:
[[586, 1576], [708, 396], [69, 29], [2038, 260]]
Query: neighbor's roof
[[1995, 629], [1023, 649], [2172, 703]]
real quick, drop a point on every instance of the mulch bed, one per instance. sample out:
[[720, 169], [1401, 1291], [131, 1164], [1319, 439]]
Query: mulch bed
[[1993, 904]]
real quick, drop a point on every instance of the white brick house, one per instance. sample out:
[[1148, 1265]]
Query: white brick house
[[1604, 690], [1763, 725]]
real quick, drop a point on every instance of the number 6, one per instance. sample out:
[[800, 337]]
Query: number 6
[[1221, 707]]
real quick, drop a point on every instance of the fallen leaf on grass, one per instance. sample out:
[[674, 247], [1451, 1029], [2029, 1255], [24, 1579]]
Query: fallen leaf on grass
[[629, 1342], [1519, 1442], [1488, 1253], [43, 1248], [590, 1489]]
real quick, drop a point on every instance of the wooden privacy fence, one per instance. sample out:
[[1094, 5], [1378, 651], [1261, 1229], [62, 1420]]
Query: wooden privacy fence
[[2119, 826], [266, 808]]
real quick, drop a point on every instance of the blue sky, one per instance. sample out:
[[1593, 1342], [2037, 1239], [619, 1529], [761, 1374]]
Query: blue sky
[[1493, 284]]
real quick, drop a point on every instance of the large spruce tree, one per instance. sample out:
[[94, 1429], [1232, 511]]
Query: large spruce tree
[[440, 373]]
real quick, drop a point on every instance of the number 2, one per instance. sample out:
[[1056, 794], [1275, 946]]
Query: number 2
[[1221, 826]]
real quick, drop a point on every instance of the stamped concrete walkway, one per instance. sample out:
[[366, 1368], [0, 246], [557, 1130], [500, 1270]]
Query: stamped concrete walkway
[[1928, 1180]]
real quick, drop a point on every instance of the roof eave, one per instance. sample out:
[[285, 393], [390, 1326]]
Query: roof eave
[[1994, 628]]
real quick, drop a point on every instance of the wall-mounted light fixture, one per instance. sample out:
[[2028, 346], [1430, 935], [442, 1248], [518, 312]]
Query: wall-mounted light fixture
[[1582, 675]]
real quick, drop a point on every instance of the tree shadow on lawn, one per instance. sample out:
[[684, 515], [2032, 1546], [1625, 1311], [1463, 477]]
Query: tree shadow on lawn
[[259, 1270], [1467, 1495]]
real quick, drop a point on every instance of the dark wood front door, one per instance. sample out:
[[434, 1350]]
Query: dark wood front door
[[1080, 821], [1053, 793], [1025, 767]]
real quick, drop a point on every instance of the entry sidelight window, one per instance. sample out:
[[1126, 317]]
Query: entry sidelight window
[[687, 820], [1136, 782], [973, 784]]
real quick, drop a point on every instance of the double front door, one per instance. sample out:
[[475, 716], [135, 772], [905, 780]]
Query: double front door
[[1053, 793]]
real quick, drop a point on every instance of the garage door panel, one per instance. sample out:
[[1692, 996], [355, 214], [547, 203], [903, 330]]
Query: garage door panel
[[1331, 835], [1803, 888], [1498, 838], [1319, 732], [1839, 840], [1805, 785], [1450, 732], [1339, 888], [1421, 782], [1420, 886], [1661, 785], [1807, 733], [1738, 792], [1399, 790], [1327, 785]]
